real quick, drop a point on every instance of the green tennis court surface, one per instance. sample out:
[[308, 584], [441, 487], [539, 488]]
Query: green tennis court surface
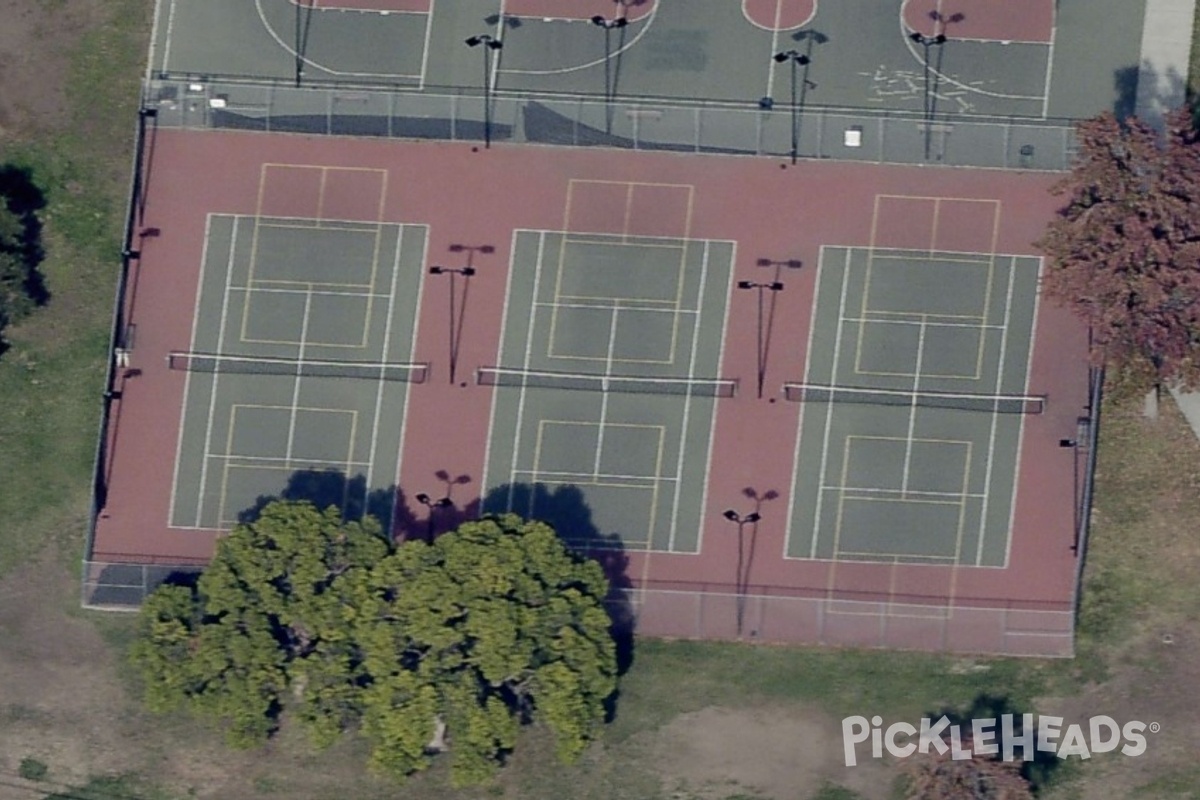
[[907, 468], [607, 380], [288, 310]]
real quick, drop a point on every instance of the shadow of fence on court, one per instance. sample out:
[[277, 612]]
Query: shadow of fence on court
[[824, 132]]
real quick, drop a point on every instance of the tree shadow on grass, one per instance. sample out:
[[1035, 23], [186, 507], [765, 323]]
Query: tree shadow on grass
[[22, 286], [565, 509]]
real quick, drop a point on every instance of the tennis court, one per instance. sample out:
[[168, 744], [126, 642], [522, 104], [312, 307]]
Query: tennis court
[[913, 407], [300, 358], [610, 354]]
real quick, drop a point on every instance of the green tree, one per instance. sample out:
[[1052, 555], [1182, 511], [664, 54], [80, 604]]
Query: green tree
[[1124, 253], [492, 626], [505, 627]]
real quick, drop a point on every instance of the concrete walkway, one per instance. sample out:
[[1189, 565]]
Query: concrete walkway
[[1162, 82]]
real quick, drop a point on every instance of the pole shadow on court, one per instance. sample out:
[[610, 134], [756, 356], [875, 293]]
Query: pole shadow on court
[[458, 302], [564, 508], [303, 26], [767, 310], [746, 547]]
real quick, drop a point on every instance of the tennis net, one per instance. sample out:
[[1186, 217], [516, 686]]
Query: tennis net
[[261, 365], [632, 384], [991, 403]]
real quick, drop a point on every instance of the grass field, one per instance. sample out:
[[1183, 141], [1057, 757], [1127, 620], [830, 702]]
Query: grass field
[[694, 722]]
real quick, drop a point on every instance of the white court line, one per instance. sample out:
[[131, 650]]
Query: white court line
[[987, 474], [170, 33], [487, 447], [912, 409], [425, 45], [837, 349], [727, 292], [153, 42], [1012, 510], [771, 64], [412, 350], [608, 370], [687, 410], [318, 292], [287, 48], [596, 476], [589, 64], [827, 487], [537, 278], [1050, 60], [387, 337], [285, 461], [599, 307], [212, 400], [872, 321], [919, 58], [296, 384], [187, 379]]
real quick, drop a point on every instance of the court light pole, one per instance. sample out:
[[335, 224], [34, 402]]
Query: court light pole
[[772, 286], [609, 25], [425, 500], [797, 60], [927, 42], [489, 44], [465, 272], [741, 522]]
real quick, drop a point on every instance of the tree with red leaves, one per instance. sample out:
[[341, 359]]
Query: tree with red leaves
[[1124, 253], [939, 776]]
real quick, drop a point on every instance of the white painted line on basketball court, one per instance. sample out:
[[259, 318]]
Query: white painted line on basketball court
[[425, 45], [1050, 60], [212, 400], [187, 379], [589, 64], [170, 33]]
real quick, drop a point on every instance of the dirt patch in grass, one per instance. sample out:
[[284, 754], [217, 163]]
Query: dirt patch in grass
[[774, 752], [36, 43]]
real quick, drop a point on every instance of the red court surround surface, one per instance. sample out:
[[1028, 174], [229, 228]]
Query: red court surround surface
[[780, 15], [990, 20], [480, 198]]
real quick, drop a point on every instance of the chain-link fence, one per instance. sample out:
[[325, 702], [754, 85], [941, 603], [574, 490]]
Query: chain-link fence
[[1001, 629], [116, 586], [845, 134]]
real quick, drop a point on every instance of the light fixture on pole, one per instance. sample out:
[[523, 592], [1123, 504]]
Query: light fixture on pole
[[797, 59], [741, 522], [466, 272], [761, 356], [926, 43], [609, 25], [430, 504], [489, 44]]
